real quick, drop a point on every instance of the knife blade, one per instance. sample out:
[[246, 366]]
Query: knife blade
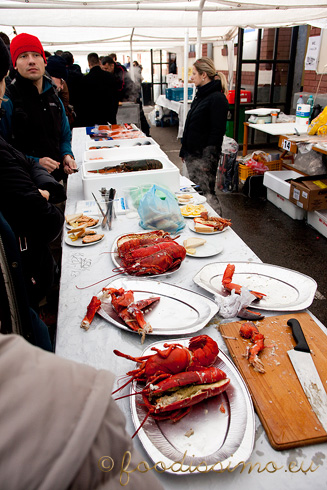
[[307, 373]]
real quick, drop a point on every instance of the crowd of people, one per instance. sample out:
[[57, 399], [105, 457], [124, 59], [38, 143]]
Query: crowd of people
[[43, 96]]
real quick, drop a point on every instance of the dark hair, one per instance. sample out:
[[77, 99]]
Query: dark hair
[[68, 57], [5, 38], [4, 60], [93, 58], [107, 59], [113, 56]]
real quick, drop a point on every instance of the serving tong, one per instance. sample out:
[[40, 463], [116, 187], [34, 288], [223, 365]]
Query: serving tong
[[109, 196]]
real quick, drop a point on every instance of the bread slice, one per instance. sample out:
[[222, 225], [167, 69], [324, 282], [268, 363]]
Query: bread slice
[[77, 229], [193, 242], [203, 228], [71, 218]]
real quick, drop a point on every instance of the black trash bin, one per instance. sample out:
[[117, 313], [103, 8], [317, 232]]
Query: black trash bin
[[147, 93]]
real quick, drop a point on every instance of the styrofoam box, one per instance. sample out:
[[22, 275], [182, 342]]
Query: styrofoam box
[[285, 205], [276, 181], [128, 153], [318, 220], [121, 143], [168, 176]]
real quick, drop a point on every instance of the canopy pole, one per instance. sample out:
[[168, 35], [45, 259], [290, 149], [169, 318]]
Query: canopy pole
[[186, 47], [199, 30], [230, 62], [131, 67]]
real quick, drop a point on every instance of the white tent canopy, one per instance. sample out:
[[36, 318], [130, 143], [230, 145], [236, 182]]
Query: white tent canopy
[[107, 25]]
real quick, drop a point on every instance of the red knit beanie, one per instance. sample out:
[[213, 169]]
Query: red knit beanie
[[23, 43]]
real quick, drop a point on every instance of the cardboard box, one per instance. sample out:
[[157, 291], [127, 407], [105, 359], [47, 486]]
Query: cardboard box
[[318, 220], [285, 205], [309, 193]]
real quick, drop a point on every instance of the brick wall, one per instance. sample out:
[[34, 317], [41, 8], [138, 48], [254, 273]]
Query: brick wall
[[311, 78]]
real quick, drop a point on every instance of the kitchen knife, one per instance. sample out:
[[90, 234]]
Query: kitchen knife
[[307, 373]]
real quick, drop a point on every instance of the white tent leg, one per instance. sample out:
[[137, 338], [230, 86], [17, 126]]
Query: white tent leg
[[186, 47]]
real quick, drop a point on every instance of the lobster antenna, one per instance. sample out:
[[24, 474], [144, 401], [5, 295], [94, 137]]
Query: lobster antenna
[[126, 396], [144, 420], [98, 282]]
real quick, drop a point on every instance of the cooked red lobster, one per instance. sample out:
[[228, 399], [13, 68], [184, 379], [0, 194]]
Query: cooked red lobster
[[249, 331], [149, 253], [127, 309], [177, 377]]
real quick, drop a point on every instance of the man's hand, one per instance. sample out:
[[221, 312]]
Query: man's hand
[[44, 193], [69, 164], [49, 164]]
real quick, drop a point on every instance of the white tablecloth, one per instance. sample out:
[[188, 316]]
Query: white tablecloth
[[177, 107], [84, 266]]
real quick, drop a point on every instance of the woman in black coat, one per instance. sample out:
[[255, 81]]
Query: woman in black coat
[[28, 194], [205, 125]]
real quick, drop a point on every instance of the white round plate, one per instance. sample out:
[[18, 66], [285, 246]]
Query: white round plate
[[206, 250], [197, 199], [79, 243], [90, 227], [191, 226]]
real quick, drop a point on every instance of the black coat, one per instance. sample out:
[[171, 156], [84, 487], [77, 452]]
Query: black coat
[[205, 125], [22, 205], [35, 221], [100, 98]]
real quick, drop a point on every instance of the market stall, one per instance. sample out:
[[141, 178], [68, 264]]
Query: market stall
[[239, 436]]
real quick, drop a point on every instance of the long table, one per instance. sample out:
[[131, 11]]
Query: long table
[[175, 106], [84, 266], [274, 129]]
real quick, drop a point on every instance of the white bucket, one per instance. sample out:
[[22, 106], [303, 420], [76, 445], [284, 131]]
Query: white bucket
[[303, 114]]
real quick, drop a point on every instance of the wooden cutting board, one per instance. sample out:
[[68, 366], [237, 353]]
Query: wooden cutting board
[[277, 394]]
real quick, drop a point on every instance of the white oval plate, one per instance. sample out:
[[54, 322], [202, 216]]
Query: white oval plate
[[191, 226], [223, 426], [206, 250], [90, 227], [79, 243], [179, 311], [285, 289]]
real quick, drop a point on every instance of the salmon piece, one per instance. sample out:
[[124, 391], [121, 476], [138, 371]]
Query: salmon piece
[[92, 238]]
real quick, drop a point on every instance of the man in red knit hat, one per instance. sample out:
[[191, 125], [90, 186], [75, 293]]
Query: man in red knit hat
[[35, 121]]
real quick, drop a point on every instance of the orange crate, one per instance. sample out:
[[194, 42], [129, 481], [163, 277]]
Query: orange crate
[[244, 172]]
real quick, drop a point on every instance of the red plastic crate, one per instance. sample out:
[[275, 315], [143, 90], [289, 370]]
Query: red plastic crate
[[245, 96]]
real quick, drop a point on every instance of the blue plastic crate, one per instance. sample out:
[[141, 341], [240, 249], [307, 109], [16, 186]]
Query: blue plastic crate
[[169, 94], [178, 94]]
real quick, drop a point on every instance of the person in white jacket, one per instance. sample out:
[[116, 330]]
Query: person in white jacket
[[60, 427]]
